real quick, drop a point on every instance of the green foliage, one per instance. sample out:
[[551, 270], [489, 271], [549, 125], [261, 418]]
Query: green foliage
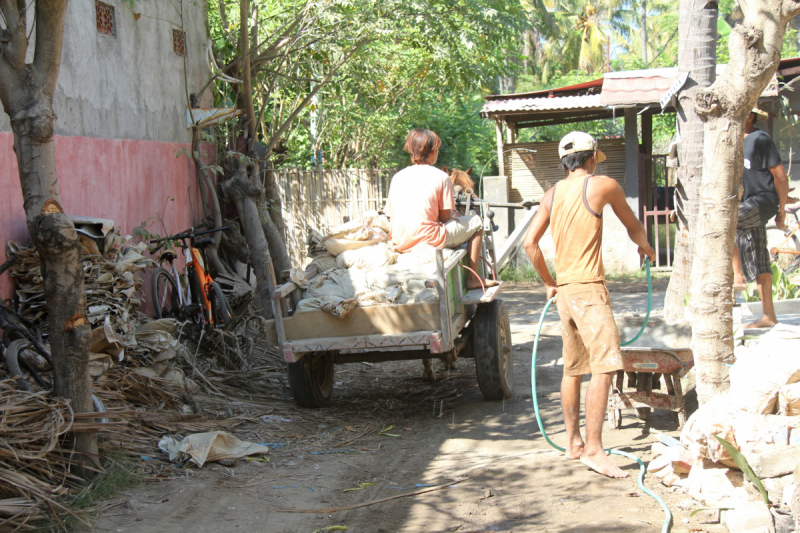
[[782, 288], [744, 466], [381, 68]]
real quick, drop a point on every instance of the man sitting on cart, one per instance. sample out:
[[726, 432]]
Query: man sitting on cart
[[421, 206], [573, 210]]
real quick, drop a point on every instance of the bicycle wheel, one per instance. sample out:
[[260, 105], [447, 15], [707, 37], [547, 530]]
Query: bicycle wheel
[[220, 310], [166, 302], [780, 245]]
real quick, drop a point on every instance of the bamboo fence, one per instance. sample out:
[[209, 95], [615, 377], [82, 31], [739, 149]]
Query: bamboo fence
[[320, 200]]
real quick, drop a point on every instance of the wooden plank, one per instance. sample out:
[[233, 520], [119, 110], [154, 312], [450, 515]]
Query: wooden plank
[[362, 321], [444, 301], [513, 240], [454, 259], [370, 342], [476, 296]]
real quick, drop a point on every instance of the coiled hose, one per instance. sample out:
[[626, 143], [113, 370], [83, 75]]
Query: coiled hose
[[642, 469]]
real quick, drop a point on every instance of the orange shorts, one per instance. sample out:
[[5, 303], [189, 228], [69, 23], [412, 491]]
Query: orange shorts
[[591, 339]]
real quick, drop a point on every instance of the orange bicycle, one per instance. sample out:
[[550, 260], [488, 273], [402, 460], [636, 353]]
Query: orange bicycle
[[784, 245], [202, 299]]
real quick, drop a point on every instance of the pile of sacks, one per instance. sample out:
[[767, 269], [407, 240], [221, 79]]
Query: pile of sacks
[[357, 266], [760, 417]]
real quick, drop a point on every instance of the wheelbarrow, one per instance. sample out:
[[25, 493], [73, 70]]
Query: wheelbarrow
[[662, 354]]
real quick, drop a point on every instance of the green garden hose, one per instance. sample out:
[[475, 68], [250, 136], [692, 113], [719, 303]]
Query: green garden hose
[[642, 469]]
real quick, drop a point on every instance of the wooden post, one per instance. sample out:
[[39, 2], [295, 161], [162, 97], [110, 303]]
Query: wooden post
[[632, 159], [501, 165]]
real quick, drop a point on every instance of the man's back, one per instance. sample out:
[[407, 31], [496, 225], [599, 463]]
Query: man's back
[[760, 153], [416, 195], [577, 231]]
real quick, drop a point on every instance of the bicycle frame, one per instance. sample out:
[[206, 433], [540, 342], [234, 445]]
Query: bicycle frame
[[779, 249]]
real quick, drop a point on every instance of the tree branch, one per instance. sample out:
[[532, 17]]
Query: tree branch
[[14, 50], [285, 126], [50, 16]]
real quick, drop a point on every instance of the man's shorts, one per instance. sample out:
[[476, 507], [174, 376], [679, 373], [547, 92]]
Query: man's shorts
[[591, 339], [460, 229], [751, 238]]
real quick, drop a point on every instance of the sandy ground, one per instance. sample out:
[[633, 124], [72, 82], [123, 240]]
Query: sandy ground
[[442, 432]]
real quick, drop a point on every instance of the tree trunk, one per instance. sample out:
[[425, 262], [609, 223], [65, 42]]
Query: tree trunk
[[244, 190], [246, 96], [26, 92], [644, 31], [755, 49], [277, 247], [697, 55]]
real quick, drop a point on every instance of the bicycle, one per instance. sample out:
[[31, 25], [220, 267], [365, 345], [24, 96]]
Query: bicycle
[[202, 299], [786, 254]]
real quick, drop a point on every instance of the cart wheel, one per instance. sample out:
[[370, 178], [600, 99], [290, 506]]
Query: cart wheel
[[491, 346], [311, 380], [615, 418]]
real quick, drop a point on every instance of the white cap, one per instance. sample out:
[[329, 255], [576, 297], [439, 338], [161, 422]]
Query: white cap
[[578, 141]]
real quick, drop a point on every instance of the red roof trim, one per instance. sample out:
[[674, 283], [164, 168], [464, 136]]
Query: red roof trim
[[549, 92]]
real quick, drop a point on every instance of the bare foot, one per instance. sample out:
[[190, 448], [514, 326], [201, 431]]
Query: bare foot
[[486, 283], [602, 464], [574, 451], [763, 322]]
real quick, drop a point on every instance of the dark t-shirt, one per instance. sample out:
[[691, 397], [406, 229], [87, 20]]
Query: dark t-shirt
[[760, 153]]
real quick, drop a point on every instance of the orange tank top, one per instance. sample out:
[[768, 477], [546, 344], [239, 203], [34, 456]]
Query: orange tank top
[[577, 233]]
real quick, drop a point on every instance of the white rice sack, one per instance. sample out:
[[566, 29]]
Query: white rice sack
[[367, 258], [789, 400], [759, 373], [352, 236]]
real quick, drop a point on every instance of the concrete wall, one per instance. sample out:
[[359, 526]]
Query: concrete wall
[[132, 85], [121, 107]]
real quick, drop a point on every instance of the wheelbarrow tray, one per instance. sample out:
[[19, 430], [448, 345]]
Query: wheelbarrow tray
[[642, 362]]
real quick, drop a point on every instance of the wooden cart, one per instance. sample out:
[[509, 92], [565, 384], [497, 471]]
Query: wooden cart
[[461, 324]]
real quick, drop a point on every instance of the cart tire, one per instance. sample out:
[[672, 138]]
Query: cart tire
[[615, 418], [492, 349], [311, 380]]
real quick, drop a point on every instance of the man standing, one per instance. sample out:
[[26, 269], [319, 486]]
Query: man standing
[[573, 208], [766, 189]]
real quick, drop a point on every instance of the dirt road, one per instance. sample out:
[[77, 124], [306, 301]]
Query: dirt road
[[441, 432]]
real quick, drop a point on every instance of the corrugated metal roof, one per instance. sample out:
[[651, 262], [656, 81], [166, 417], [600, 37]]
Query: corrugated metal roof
[[636, 89], [556, 103]]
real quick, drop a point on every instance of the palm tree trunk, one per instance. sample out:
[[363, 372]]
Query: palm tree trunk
[[697, 54], [644, 31]]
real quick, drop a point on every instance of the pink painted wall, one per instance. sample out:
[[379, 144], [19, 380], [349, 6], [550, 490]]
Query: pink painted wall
[[127, 181]]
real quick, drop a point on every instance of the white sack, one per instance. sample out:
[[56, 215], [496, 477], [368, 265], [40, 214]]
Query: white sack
[[202, 448], [789, 400], [368, 257], [764, 368]]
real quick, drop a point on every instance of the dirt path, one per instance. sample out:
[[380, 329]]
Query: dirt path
[[445, 431]]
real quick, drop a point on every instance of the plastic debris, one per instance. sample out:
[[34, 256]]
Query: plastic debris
[[361, 486], [286, 487], [271, 418], [385, 433], [201, 448]]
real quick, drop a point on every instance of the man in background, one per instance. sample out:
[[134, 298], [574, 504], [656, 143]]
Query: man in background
[[766, 191]]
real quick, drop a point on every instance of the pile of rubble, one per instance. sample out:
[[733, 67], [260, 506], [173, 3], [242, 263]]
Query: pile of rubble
[[755, 473]]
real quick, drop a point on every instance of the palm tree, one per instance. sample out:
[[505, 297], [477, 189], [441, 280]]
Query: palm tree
[[577, 35]]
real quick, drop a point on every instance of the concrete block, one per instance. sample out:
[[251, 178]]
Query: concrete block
[[774, 463], [784, 523], [776, 486], [750, 517]]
